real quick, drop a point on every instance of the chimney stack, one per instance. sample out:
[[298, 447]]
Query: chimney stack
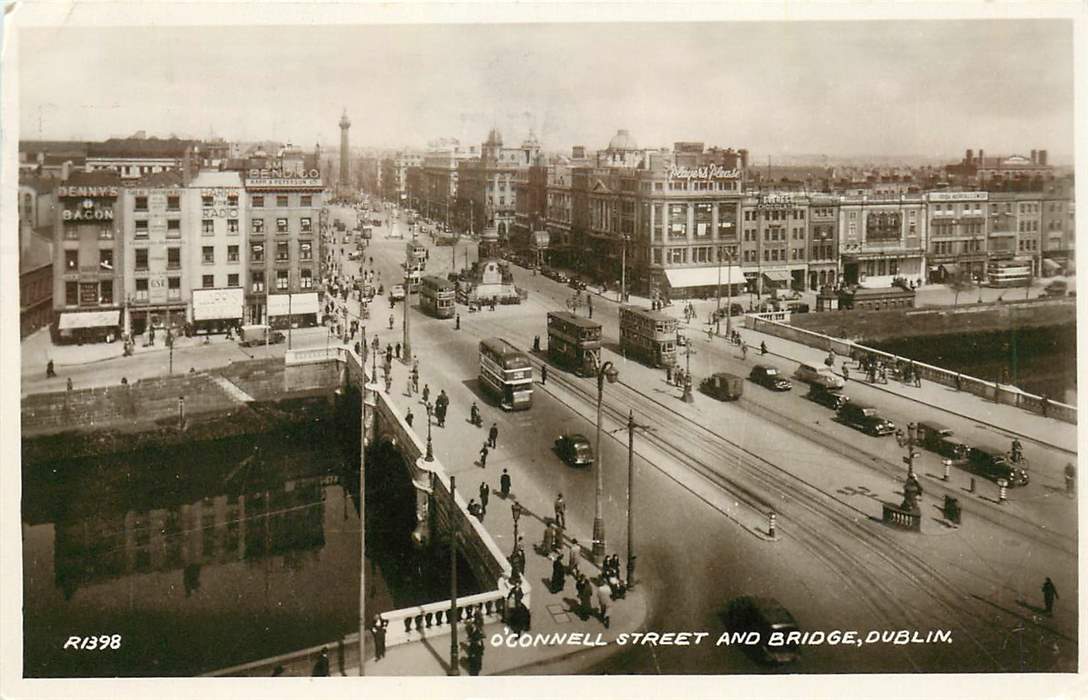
[[744, 159], [1034, 156], [970, 158], [981, 155], [578, 152], [1042, 157]]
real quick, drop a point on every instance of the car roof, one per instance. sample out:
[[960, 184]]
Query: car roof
[[934, 426], [773, 612], [576, 437]]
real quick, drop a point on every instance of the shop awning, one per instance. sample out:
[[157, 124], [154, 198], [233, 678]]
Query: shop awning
[[1050, 266], [89, 319], [541, 239], [951, 269], [703, 276], [777, 275]]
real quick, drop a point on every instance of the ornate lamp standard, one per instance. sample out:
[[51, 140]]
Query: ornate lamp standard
[[515, 511], [430, 451], [604, 371]]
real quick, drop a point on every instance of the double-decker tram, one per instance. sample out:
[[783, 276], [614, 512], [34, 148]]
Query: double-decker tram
[[574, 343], [416, 255], [649, 336], [436, 296], [506, 374], [1009, 273]]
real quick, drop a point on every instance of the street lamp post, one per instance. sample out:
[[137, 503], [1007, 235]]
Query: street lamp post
[[631, 425], [170, 344], [515, 511], [407, 356], [606, 371], [430, 450], [687, 397]]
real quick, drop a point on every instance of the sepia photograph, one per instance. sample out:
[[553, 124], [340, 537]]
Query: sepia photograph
[[733, 345]]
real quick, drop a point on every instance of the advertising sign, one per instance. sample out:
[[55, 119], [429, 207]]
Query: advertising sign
[[284, 304], [213, 304], [958, 196]]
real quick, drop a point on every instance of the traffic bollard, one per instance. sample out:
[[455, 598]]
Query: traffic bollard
[[771, 517], [972, 489], [1002, 491], [947, 469]]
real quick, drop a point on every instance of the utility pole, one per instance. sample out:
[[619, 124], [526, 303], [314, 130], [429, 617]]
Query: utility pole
[[623, 271], [631, 425], [362, 511], [454, 670], [687, 397], [407, 356]]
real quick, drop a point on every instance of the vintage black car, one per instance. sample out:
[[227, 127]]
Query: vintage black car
[[865, 418], [939, 438], [765, 617], [574, 449], [769, 377], [825, 396], [723, 386], [994, 464]]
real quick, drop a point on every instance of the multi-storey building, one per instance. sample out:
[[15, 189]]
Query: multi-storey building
[[88, 257], [882, 239], [394, 175], [957, 237], [37, 204], [438, 178], [1058, 233], [559, 216], [283, 207], [485, 185], [823, 241], [133, 158], [774, 235], [157, 238], [217, 261]]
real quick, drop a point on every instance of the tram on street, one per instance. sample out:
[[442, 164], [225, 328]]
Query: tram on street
[[506, 374], [416, 255], [437, 296], [574, 343], [1009, 273], [648, 336]]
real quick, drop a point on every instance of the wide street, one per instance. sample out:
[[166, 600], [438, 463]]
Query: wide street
[[707, 473]]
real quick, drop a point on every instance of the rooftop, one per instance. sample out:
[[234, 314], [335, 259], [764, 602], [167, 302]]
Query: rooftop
[[139, 148], [217, 178]]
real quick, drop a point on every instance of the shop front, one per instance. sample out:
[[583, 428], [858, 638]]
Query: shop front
[[158, 317], [217, 310], [89, 326], [293, 310], [704, 282]]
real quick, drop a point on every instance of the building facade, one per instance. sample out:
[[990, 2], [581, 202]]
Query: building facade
[[957, 240], [217, 261], [485, 192]]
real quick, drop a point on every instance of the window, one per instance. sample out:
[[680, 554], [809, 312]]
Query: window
[[141, 259], [207, 200], [678, 255], [232, 279], [173, 228], [305, 251], [105, 259], [657, 252], [71, 261], [207, 227], [281, 279], [281, 252], [256, 281], [141, 290], [678, 220], [173, 203], [173, 288], [281, 200], [256, 225], [141, 228], [232, 226], [306, 279], [257, 201], [232, 253], [306, 225], [71, 293], [173, 258], [727, 216], [207, 254], [141, 204], [281, 225], [207, 281], [256, 252], [306, 200], [232, 199], [105, 233]]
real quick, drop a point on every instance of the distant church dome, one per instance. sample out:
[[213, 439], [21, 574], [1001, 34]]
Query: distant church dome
[[622, 141], [494, 138], [531, 141]]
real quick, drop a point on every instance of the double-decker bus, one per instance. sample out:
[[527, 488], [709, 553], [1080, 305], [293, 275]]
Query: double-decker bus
[[649, 336], [436, 296], [416, 255], [506, 374], [1010, 273], [573, 342]]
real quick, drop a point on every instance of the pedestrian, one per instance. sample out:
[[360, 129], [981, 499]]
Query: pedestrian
[[409, 418], [483, 456], [493, 435], [762, 348], [743, 350], [1049, 594], [390, 321], [321, 667], [457, 323], [49, 373], [574, 557], [543, 374], [585, 597], [560, 511], [604, 595], [845, 372], [485, 495], [124, 381], [69, 383], [475, 509], [559, 576], [358, 349], [426, 393], [504, 484], [536, 343], [388, 382], [397, 351], [1044, 405], [1070, 478], [378, 630], [668, 375]]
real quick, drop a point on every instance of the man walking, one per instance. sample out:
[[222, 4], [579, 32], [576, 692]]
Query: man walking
[[845, 372], [485, 495], [560, 511], [321, 667], [604, 597], [378, 630], [543, 374], [409, 418], [1049, 594], [493, 435], [574, 557], [504, 484], [483, 456]]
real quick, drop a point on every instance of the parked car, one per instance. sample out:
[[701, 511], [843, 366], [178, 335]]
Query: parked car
[[811, 374], [832, 398], [938, 438], [764, 616], [865, 418], [994, 464], [396, 292], [576, 284], [1057, 288], [769, 377], [723, 386], [259, 335], [798, 307], [574, 449]]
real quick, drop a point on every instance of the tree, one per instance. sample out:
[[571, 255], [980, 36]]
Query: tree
[[958, 283]]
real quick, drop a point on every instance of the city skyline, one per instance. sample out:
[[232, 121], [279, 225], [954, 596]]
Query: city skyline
[[833, 88]]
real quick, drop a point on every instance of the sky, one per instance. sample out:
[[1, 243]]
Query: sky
[[924, 88]]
